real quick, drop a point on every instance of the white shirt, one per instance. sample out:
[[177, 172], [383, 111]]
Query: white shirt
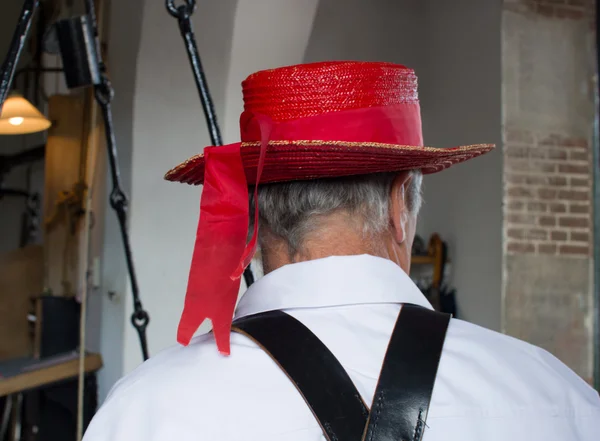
[[489, 387]]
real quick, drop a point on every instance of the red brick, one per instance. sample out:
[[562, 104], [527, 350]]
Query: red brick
[[547, 194], [557, 181], [536, 180], [546, 248], [571, 168], [574, 249], [515, 233], [520, 192], [566, 141], [577, 142], [579, 156], [513, 165], [520, 247], [547, 221], [576, 222], [579, 237], [517, 152], [518, 136], [524, 219], [558, 235], [573, 195], [536, 234], [543, 167], [558, 208], [583, 209], [559, 155], [577, 182], [515, 179], [537, 206], [515, 205]]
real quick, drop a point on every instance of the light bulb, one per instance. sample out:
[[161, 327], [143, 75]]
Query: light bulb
[[16, 120]]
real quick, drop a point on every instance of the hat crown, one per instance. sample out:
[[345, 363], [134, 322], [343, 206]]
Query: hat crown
[[306, 90]]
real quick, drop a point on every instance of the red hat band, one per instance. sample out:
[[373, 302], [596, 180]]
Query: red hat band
[[395, 124]]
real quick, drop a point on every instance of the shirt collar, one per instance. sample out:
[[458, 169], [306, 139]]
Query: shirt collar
[[332, 281]]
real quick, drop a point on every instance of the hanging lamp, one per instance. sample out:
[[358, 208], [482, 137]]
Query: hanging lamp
[[19, 117]]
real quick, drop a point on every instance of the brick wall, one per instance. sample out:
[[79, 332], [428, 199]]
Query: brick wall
[[565, 9], [548, 72], [548, 194]]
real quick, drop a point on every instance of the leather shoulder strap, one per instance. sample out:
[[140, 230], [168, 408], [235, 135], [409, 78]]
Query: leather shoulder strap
[[403, 393], [313, 369], [405, 386]]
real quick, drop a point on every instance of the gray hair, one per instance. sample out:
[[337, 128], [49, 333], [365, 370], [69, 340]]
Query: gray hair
[[291, 210]]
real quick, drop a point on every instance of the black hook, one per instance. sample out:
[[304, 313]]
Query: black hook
[[185, 10]]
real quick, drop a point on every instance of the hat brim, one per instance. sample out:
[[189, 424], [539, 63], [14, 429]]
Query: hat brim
[[305, 160]]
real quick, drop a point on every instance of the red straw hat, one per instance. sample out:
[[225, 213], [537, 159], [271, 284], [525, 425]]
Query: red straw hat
[[335, 119], [319, 120]]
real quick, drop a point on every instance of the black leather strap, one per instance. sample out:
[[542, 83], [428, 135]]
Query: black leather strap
[[314, 370], [403, 393]]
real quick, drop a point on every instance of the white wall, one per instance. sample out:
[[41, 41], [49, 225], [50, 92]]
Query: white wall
[[168, 126], [378, 30], [461, 103], [454, 48], [267, 34]]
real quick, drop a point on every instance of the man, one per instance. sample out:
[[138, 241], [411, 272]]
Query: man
[[334, 153]]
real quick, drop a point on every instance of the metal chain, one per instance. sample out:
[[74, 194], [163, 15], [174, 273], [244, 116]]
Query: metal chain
[[183, 14], [119, 202]]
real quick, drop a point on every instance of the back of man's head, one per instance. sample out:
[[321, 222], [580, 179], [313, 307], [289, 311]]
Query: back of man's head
[[317, 218]]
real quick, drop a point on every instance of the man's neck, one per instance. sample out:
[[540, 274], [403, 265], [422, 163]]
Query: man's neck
[[331, 239]]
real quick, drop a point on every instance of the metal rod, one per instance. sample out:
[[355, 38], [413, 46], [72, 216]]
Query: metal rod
[[13, 192], [118, 201], [9, 66], [596, 210], [183, 15], [187, 33], [33, 154]]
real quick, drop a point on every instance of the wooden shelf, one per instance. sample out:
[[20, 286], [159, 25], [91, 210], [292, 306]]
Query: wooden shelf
[[435, 259], [423, 260], [36, 377]]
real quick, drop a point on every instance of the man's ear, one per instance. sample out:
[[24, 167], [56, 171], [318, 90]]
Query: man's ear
[[398, 207]]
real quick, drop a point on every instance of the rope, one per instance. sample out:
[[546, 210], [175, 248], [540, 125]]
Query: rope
[[85, 268]]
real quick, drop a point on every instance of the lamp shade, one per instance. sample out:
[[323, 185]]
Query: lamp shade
[[19, 117]]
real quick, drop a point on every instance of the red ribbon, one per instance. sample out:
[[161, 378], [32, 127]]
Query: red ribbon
[[220, 252], [220, 255], [220, 240], [399, 124]]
